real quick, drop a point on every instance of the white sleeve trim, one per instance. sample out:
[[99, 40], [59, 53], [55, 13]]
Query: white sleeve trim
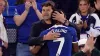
[[71, 18], [75, 42], [97, 23], [78, 18]]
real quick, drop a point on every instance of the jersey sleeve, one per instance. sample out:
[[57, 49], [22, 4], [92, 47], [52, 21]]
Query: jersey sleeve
[[74, 34], [71, 18], [75, 18], [43, 33], [37, 40], [16, 12]]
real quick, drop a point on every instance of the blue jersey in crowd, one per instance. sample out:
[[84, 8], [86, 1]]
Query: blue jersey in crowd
[[62, 46], [24, 28]]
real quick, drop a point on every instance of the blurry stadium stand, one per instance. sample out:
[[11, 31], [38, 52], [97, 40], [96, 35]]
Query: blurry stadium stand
[[11, 27]]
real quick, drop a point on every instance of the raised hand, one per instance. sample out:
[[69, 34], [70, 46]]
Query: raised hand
[[80, 25], [59, 16], [34, 4], [97, 5], [27, 6]]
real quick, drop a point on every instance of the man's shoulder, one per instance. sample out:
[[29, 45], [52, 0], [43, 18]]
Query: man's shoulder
[[94, 16], [38, 23], [72, 30]]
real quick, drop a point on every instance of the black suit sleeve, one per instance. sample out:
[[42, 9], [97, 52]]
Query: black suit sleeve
[[35, 41], [34, 38]]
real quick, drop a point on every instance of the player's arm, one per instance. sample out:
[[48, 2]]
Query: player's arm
[[35, 32], [35, 49], [75, 40], [75, 46], [44, 36], [37, 43]]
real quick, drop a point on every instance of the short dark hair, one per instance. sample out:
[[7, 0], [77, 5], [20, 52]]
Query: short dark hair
[[60, 11], [49, 3]]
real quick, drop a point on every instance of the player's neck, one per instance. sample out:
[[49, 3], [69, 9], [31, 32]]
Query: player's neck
[[58, 23]]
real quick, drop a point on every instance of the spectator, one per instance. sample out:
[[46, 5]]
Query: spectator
[[3, 33], [97, 6], [87, 47], [85, 19], [25, 15]]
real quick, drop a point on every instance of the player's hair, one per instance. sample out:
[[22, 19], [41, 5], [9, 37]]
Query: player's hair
[[58, 10], [49, 3]]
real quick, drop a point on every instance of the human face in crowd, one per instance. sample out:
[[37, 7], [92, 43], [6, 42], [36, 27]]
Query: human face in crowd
[[83, 6], [46, 12], [2, 6], [98, 3]]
